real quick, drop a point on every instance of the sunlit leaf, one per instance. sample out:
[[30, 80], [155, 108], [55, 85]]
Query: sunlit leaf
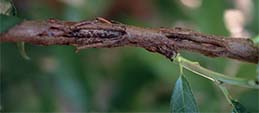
[[182, 99], [8, 22], [5, 6], [256, 40], [238, 108]]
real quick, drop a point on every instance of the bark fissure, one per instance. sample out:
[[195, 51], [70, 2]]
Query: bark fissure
[[101, 33]]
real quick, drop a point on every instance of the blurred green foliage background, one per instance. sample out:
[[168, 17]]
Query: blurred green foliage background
[[57, 79]]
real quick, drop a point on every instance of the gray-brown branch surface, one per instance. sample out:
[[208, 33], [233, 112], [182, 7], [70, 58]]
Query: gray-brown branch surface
[[101, 33]]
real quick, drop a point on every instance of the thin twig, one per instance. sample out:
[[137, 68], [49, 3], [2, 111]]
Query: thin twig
[[214, 76]]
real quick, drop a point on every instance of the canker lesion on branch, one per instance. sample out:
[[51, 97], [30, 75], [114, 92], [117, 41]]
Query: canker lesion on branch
[[102, 33]]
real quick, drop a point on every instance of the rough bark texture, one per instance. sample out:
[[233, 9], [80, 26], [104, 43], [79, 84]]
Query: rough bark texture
[[101, 33]]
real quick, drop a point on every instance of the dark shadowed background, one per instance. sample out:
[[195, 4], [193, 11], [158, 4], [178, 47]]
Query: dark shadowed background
[[128, 79]]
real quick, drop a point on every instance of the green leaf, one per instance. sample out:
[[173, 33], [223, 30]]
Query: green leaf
[[8, 22], [238, 108], [182, 99], [256, 39]]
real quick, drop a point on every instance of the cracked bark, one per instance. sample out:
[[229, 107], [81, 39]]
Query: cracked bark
[[101, 33]]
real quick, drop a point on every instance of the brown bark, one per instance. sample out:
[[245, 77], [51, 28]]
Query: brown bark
[[101, 33]]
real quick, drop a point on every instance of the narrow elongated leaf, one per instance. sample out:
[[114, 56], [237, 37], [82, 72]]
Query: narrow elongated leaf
[[21, 47], [238, 108], [182, 100], [6, 22]]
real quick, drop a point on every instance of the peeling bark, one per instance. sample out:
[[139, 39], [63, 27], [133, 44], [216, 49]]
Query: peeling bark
[[101, 33]]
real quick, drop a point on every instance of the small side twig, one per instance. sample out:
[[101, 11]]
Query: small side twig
[[217, 78]]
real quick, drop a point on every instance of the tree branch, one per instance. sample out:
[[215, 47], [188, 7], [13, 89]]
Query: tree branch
[[101, 33]]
